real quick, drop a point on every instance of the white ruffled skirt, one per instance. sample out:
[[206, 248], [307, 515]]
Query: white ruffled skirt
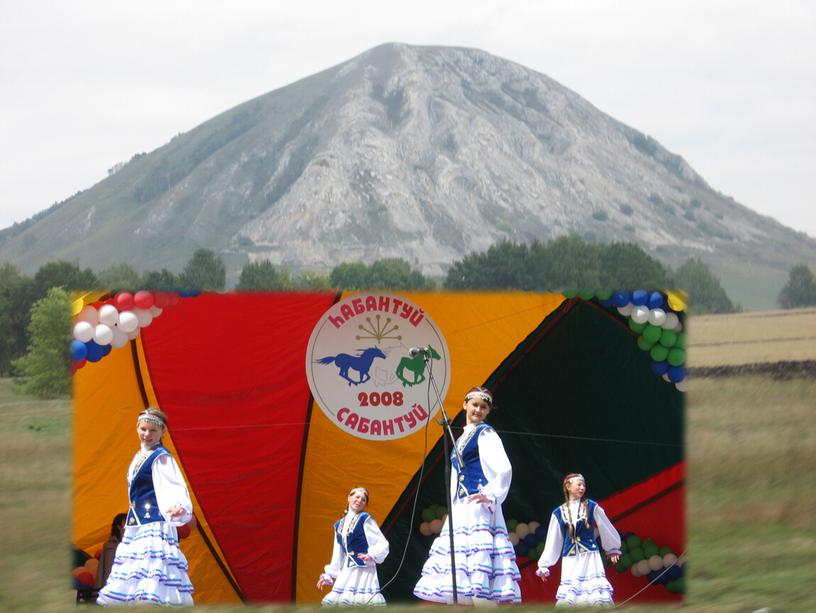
[[149, 568], [355, 586], [486, 567], [583, 581]]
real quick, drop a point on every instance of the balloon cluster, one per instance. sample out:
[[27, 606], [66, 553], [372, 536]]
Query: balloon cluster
[[658, 565], [432, 519], [102, 325], [655, 318], [85, 576], [527, 538]]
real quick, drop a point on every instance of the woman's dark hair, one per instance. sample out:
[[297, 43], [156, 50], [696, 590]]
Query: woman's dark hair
[[118, 521]]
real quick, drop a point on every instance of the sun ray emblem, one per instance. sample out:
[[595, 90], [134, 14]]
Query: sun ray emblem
[[378, 330]]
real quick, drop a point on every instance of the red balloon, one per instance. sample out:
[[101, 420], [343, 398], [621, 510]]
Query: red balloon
[[98, 554], [173, 298], [183, 531], [161, 299], [143, 299], [86, 578], [123, 301], [77, 364]]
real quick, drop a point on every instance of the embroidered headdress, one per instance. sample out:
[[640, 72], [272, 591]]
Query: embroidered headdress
[[479, 392], [154, 416]]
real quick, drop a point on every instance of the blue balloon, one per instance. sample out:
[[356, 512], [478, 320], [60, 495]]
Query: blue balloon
[[660, 368], [541, 533], [530, 540], [78, 350], [106, 349], [676, 373], [653, 574], [655, 301], [605, 303], [639, 297], [620, 299], [522, 549], [674, 572], [93, 351]]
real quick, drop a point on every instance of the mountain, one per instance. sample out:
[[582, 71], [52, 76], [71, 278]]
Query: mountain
[[423, 153]]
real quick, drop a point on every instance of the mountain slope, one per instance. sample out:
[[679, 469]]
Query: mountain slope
[[424, 153]]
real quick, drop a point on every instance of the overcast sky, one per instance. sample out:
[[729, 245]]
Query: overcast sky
[[730, 86]]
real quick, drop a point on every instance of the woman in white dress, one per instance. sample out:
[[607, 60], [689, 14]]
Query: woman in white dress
[[149, 567], [573, 536], [486, 570], [358, 547]]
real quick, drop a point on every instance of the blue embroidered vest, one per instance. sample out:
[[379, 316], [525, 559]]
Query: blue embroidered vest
[[471, 475], [144, 508], [355, 541], [584, 535]]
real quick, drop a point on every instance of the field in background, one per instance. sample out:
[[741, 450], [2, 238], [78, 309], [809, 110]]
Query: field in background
[[752, 478]]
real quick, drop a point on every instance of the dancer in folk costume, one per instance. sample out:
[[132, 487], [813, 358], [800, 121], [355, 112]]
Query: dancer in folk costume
[[358, 547], [486, 570], [573, 535], [149, 567]]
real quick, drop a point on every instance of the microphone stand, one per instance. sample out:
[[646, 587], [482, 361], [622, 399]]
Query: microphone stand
[[447, 439]]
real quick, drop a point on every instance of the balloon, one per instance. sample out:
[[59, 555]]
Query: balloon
[[77, 364], [103, 335], [428, 514], [669, 559], [676, 374], [436, 526], [643, 567], [78, 350], [660, 368], [636, 327], [86, 578], [655, 301], [652, 333], [183, 531], [541, 533], [120, 338], [620, 299], [640, 314], [522, 530], [603, 294], [144, 317], [634, 570], [682, 386], [143, 299], [649, 548], [89, 314], [676, 300], [123, 301], [568, 293], [626, 310], [108, 315], [639, 297], [624, 562], [155, 311], [161, 299], [671, 321], [586, 294], [513, 537], [636, 554], [511, 525], [106, 349], [657, 317], [425, 529], [173, 298], [533, 526], [530, 540], [91, 565], [677, 357], [522, 549], [680, 343], [644, 344], [128, 321], [655, 562], [83, 331], [632, 541], [668, 338], [94, 351], [79, 569], [658, 353], [132, 336]]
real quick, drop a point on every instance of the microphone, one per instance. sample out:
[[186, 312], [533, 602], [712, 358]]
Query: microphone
[[415, 351]]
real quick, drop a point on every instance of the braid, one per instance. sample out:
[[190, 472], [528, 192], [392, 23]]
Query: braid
[[569, 514], [585, 504]]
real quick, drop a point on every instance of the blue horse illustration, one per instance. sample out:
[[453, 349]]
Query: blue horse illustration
[[360, 362]]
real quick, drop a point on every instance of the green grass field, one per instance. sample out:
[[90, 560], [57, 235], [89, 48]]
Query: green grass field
[[752, 486]]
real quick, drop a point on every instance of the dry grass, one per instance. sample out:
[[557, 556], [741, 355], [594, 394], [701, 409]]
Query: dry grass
[[746, 338]]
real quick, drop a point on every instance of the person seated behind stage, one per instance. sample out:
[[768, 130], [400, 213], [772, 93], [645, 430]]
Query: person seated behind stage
[[571, 536], [357, 549], [486, 570], [108, 554]]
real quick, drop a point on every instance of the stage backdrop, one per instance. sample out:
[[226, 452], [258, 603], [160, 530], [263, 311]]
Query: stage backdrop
[[269, 469]]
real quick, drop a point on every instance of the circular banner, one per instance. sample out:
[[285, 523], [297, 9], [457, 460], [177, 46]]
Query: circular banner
[[368, 363]]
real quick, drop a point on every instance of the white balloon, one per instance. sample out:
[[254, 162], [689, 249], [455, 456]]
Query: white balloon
[[89, 314], [671, 321], [643, 567], [108, 315], [145, 317], [128, 322], [155, 311], [103, 335], [678, 327], [626, 310], [655, 562], [533, 526], [522, 530], [634, 570], [133, 335], [682, 386], [640, 314], [657, 317], [513, 538], [666, 378], [120, 338], [669, 559], [83, 331]]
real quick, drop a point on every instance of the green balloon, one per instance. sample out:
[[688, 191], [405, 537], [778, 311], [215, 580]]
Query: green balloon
[[636, 327], [649, 548], [664, 550], [644, 344], [672, 586], [587, 294], [624, 547], [633, 541], [652, 333], [636, 555], [428, 515], [603, 294], [570, 293], [668, 338], [659, 353], [539, 549], [681, 341], [441, 511], [677, 357], [680, 585], [624, 563], [511, 525]]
